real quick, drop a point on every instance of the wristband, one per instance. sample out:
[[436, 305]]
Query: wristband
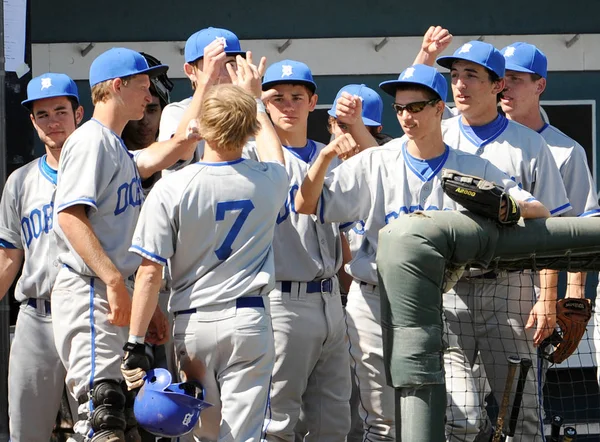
[[136, 339], [260, 106]]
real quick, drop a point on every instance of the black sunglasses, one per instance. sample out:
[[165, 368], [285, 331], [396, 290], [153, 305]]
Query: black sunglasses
[[415, 107]]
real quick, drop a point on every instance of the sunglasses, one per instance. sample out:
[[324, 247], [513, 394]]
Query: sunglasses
[[415, 107]]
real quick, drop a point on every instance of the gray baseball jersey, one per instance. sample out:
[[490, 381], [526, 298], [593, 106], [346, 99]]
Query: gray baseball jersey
[[522, 154], [26, 223], [305, 250], [97, 170], [572, 163], [379, 184], [213, 223]]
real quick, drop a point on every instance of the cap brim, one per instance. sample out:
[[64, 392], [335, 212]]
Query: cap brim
[[331, 112], [369, 122], [229, 53], [517, 68], [310, 84], [390, 87], [155, 71], [29, 103]]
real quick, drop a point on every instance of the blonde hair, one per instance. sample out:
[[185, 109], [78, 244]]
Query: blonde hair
[[228, 117], [101, 91]]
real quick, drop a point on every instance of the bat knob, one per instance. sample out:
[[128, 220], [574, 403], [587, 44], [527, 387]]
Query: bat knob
[[557, 419], [514, 360]]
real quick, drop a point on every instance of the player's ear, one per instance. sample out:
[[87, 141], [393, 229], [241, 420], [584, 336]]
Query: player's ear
[[189, 71], [78, 115], [313, 102], [540, 86], [498, 86]]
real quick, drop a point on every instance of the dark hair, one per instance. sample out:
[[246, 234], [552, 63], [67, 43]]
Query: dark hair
[[72, 100]]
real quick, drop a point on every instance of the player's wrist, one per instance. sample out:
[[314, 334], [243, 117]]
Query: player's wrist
[[260, 106], [134, 339]]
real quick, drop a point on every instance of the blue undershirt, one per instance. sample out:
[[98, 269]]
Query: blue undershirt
[[426, 168], [52, 173], [482, 135], [305, 153]]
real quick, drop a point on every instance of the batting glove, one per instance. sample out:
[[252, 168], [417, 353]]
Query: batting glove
[[134, 365]]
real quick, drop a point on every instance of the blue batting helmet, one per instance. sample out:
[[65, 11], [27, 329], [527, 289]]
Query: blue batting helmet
[[165, 409]]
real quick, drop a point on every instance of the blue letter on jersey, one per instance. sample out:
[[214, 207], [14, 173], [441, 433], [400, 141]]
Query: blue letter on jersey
[[245, 207]]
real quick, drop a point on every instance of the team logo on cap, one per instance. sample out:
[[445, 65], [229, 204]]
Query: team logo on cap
[[222, 41], [46, 83], [408, 73], [465, 48], [286, 70], [510, 51]]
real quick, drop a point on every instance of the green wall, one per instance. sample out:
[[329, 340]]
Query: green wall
[[155, 20]]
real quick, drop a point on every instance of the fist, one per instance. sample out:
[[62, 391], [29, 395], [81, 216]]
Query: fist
[[348, 109], [134, 365], [343, 147]]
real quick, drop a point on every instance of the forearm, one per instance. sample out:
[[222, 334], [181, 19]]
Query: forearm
[[307, 198], [576, 285], [145, 296], [424, 58], [548, 285], [162, 154], [268, 145], [10, 263], [362, 136], [76, 226], [533, 209]]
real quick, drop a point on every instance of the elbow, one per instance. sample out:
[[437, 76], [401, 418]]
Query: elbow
[[534, 209], [149, 274], [301, 205]]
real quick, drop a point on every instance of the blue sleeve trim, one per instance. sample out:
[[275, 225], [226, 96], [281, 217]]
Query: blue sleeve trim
[[561, 209], [322, 211], [528, 200], [149, 255], [85, 201], [589, 213], [346, 225], [6, 245]]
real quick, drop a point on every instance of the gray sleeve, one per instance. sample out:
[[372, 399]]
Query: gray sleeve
[[169, 121], [492, 173], [579, 183], [347, 191], [156, 230], [84, 172], [10, 222], [547, 184]]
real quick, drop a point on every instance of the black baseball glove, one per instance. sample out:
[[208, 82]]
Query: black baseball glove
[[480, 197]]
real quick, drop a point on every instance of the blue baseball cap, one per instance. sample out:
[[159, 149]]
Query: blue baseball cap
[[119, 63], [372, 104], [419, 74], [525, 57], [288, 71], [479, 52], [194, 46], [50, 85]]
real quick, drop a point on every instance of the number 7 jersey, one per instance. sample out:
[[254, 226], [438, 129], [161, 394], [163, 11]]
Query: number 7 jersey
[[214, 224]]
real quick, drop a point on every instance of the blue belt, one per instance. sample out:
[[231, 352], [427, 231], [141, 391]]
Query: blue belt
[[322, 286], [32, 302], [246, 301]]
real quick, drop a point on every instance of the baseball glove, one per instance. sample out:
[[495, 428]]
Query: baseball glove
[[480, 196], [572, 316]]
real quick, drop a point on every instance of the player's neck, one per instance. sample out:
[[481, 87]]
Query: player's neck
[[52, 157], [532, 119], [427, 147], [481, 117], [212, 155], [296, 138], [110, 116]]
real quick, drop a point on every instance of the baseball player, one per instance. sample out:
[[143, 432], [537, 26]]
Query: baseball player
[[476, 316], [526, 74], [223, 272], [311, 357], [98, 199], [207, 46], [379, 185], [371, 116], [36, 376]]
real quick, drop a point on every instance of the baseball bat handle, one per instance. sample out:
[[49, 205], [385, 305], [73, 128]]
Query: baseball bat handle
[[557, 422], [513, 363]]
